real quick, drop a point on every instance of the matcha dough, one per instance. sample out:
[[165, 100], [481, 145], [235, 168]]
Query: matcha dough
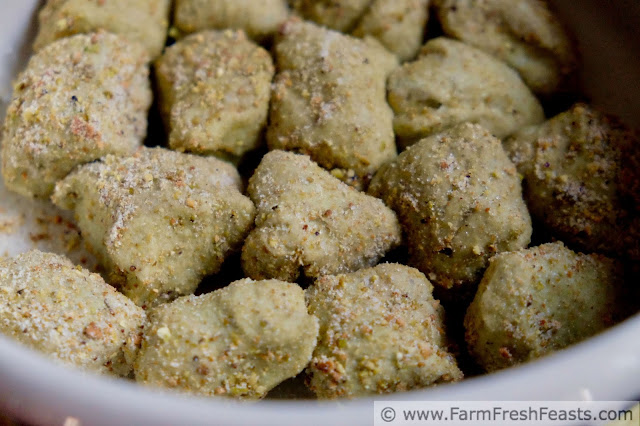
[[381, 331], [524, 33], [260, 19], [159, 221], [310, 223], [240, 341], [451, 83], [215, 89], [582, 179], [399, 25], [329, 101], [79, 99], [141, 21], [68, 313], [459, 200], [340, 15], [534, 302]]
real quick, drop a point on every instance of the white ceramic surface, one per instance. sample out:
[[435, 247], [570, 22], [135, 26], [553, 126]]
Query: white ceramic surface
[[606, 367]]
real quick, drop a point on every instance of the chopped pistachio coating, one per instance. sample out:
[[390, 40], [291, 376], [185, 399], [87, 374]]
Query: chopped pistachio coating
[[159, 221], [452, 83], [260, 19], [459, 200], [329, 100], [381, 331], [68, 313], [240, 341], [582, 179], [79, 98], [309, 222], [215, 89], [399, 25], [534, 302], [141, 21], [524, 34]]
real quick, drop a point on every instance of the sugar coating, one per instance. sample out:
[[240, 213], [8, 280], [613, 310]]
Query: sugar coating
[[68, 313], [260, 19], [79, 98], [459, 200], [452, 83], [140, 21], [329, 100], [526, 35], [215, 90], [311, 223], [381, 331], [399, 25], [582, 179], [159, 221], [534, 302], [240, 341]]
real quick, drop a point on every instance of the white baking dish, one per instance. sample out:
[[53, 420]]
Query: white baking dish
[[606, 367]]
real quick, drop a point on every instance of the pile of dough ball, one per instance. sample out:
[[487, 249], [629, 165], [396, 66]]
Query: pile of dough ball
[[363, 174]]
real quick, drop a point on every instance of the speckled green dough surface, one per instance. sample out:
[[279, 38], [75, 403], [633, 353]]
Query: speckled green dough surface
[[260, 19], [340, 15], [581, 171], [79, 98], [399, 25], [381, 331], [215, 90], [68, 313], [140, 21], [159, 221], [536, 301], [329, 100], [459, 200], [524, 34], [452, 83], [311, 223], [240, 341]]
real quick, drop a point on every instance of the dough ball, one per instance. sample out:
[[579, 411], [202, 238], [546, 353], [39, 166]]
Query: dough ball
[[309, 222], [452, 83], [524, 33], [240, 341], [159, 221], [537, 301], [381, 331], [79, 99], [329, 101], [68, 313], [215, 89], [141, 21], [459, 200], [582, 179], [260, 19]]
